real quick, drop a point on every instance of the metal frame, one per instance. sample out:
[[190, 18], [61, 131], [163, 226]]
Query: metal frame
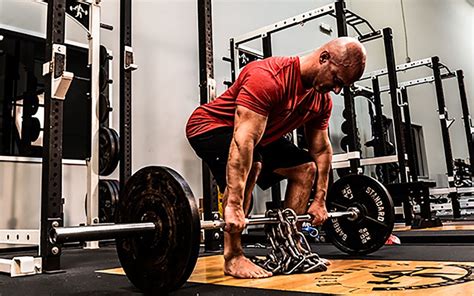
[[354, 141], [20, 236], [51, 185], [343, 160], [401, 67], [468, 127], [23, 159], [379, 131], [207, 87], [126, 62], [445, 122], [437, 77], [418, 81], [409, 136], [349, 18], [284, 24], [57, 83], [92, 211], [396, 113], [21, 266]]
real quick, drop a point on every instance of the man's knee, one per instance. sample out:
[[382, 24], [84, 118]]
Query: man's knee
[[309, 171], [305, 172]]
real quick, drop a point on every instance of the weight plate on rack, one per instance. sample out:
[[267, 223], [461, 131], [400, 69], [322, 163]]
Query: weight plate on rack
[[109, 150], [104, 108], [103, 78], [163, 261], [345, 127], [374, 225], [35, 129], [108, 200]]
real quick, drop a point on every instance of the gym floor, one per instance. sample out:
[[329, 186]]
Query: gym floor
[[409, 268]]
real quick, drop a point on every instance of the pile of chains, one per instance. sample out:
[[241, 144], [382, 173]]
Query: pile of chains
[[290, 252]]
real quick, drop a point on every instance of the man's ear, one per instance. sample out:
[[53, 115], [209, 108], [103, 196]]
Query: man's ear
[[324, 57]]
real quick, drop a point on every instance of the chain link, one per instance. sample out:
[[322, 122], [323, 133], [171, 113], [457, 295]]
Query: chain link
[[290, 252]]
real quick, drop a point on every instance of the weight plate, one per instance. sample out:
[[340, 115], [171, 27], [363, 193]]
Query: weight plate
[[374, 225], [109, 150], [346, 113], [345, 128], [35, 129], [392, 169], [104, 55], [32, 100], [104, 108], [344, 144], [163, 261], [108, 200]]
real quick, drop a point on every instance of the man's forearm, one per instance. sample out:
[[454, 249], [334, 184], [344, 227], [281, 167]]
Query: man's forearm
[[323, 163], [238, 167]]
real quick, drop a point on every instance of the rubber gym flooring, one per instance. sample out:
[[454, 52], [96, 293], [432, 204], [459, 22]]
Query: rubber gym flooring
[[410, 268]]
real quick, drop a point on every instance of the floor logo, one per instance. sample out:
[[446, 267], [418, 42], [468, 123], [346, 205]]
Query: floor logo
[[398, 276]]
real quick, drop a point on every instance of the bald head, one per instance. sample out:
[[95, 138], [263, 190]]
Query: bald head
[[337, 63], [349, 53]]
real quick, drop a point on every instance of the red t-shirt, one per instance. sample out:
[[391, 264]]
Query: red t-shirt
[[271, 87]]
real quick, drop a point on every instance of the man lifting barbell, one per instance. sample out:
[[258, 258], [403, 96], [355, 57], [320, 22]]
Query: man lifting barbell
[[157, 228], [240, 136]]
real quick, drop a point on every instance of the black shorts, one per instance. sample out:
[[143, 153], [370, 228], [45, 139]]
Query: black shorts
[[213, 148]]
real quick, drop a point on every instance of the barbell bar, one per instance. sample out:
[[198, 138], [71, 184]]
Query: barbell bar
[[110, 231]]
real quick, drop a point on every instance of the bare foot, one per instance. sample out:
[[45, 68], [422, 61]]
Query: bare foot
[[241, 267], [326, 261]]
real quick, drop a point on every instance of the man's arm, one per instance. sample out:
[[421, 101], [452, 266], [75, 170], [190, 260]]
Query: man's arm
[[321, 151], [248, 131]]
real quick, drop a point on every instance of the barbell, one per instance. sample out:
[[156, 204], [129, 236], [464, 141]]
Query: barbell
[[108, 231], [158, 226]]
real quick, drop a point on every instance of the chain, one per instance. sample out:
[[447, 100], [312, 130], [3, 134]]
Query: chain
[[290, 252]]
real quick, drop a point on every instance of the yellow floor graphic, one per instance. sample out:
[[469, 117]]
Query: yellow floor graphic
[[365, 277]]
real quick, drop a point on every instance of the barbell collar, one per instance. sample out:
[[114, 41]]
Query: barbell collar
[[100, 232], [351, 213]]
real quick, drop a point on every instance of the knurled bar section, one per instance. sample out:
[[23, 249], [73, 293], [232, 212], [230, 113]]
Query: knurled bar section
[[51, 186]]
